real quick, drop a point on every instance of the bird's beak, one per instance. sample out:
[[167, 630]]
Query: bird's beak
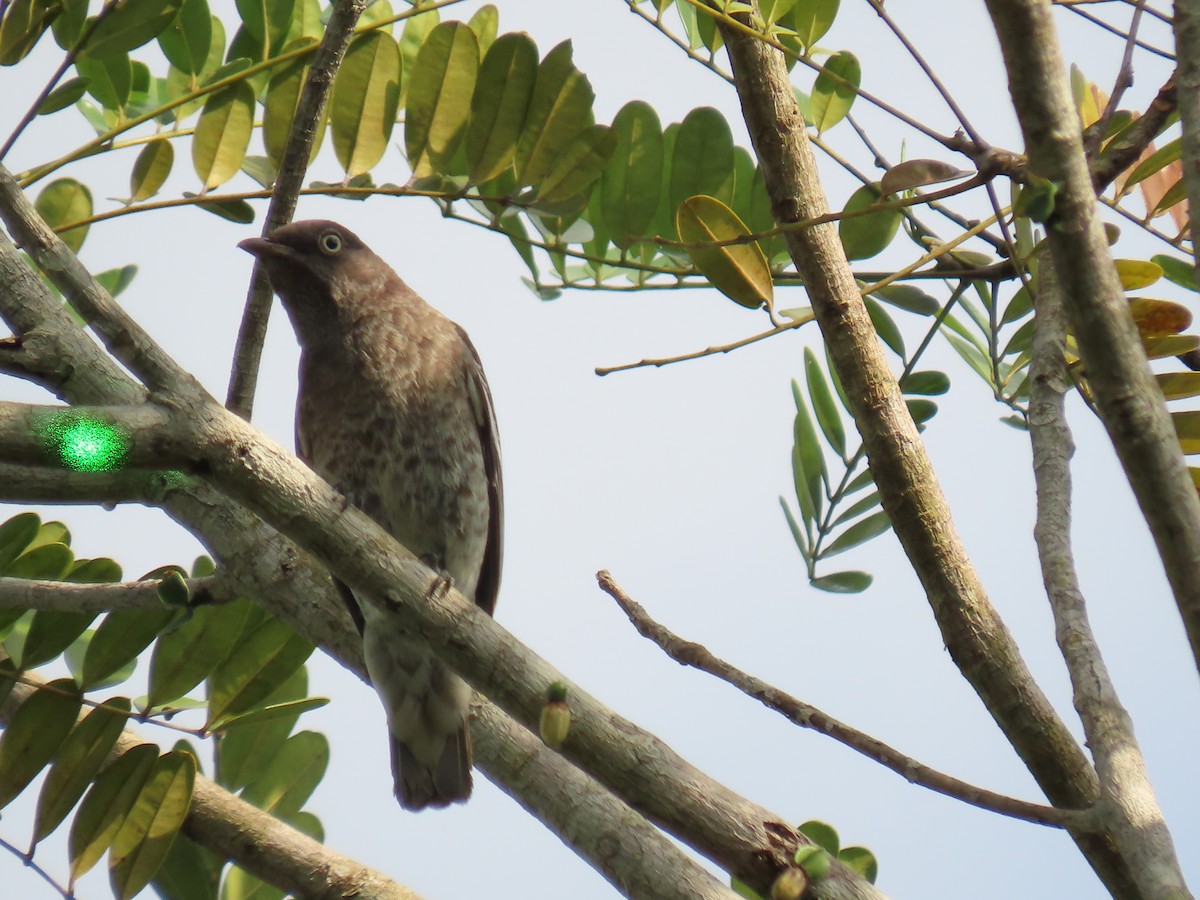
[[264, 248]]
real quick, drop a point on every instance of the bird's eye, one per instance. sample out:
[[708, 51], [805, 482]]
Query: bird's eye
[[330, 242]]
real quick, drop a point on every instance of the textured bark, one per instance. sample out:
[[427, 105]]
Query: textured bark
[[1127, 396], [976, 638]]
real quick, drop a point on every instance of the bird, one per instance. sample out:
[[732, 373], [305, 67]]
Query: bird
[[394, 411]]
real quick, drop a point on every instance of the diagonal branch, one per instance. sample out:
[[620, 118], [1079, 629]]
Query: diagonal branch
[[974, 634], [1128, 399], [689, 653]]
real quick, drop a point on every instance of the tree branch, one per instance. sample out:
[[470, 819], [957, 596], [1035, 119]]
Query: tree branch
[[292, 167], [63, 596], [1128, 399], [1187, 40], [697, 656], [976, 638], [1130, 810]]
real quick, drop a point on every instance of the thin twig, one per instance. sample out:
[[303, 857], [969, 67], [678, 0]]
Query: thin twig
[[709, 351], [292, 167], [1124, 77], [28, 861], [689, 653]]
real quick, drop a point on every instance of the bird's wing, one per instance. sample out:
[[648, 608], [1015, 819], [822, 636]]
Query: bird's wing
[[489, 440]]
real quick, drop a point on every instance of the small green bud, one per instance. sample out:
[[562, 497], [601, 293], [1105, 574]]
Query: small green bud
[[173, 590], [814, 860]]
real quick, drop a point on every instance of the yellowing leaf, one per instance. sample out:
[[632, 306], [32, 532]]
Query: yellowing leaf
[[1136, 274], [1178, 385], [1170, 345], [150, 170], [144, 838], [1187, 428], [1155, 317], [739, 271]]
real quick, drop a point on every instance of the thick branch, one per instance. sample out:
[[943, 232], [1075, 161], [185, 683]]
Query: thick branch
[[744, 839], [1127, 397], [977, 639], [1130, 812], [292, 167]]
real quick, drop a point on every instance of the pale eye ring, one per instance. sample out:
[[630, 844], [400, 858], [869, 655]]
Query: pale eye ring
[[330, 242]]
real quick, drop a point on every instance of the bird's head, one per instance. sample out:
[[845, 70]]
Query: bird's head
[[320, 270]]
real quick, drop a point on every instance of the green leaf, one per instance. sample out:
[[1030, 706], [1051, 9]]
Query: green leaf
[[16, 536], [222, 134], [908, 298], [1018, 307], [885, 326], [186, 656], [701, 159], [1177, 271], [860, 860], [633, 176], [580, 165], [119, 640], [233, 210], [811, 19], [76, 764], [485, 23], [739, 271], [291, 709], [45, 562], [743, 890], [828, 417], [823, 834], [283, 93], [130, 25], [186, 41], [50, 633], [857, 508], [25, 21], [188, 872], [150, 170], [104, 808], [1037, 199], [366, 94], [843, 582], [503, 91], [65, 201], [834, 90], [63, 96], [930, 383], [920, 409], [416, 30], [262, 661], [248, 744], [292, 776], [439, 97], [808, 462], [858, 533], [560, 108], [34, 733], [864, 236], [145, 837], [798, 534]]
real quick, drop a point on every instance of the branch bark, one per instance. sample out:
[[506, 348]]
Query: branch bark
[[976, 638], [1127, 397], [1130, 811]]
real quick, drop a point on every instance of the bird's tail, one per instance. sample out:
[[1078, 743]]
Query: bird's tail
[[419, 786]]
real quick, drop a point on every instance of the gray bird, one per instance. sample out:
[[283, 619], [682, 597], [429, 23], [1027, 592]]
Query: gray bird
[[394, 411]]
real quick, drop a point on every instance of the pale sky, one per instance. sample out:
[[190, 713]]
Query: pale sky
[[670, 478]]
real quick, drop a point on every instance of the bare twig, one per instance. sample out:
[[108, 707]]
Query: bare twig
[[689, 653], [292, 167], [708, 351], [62, 596]]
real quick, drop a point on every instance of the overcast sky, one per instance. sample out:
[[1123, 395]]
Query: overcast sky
[[670, 478]]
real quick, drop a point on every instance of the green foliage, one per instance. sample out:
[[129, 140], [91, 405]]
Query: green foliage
[[132, 808]]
